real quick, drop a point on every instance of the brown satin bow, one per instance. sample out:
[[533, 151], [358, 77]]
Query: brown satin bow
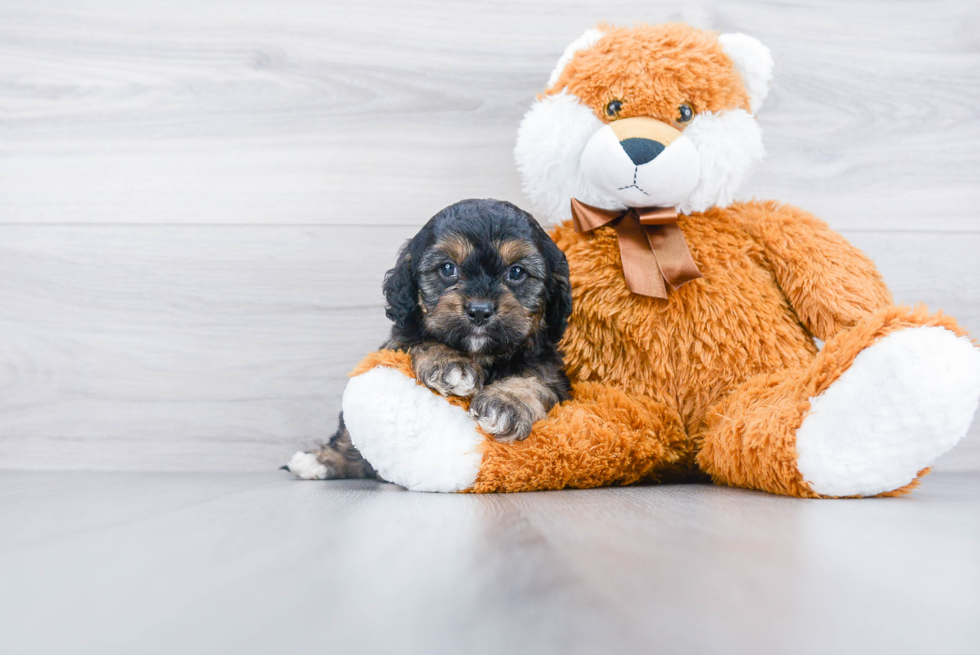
[[650, 243]]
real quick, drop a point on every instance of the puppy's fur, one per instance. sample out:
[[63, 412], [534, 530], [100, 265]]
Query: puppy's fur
[[480, 298]]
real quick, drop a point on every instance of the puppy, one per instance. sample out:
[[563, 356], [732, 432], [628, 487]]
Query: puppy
[[480, 298]]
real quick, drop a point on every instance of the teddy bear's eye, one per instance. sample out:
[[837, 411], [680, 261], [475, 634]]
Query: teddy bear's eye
[[613, 108], [685, 113]]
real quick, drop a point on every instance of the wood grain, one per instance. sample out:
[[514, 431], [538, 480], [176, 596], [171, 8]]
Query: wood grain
[[227, 347], [257, 563], [382, 112], [198, 200]]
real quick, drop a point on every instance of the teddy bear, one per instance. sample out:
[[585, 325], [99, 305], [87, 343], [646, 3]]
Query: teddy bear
[[693, 341]]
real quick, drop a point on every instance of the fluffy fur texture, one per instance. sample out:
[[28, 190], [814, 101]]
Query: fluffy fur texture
[[587, 40], [550, 142], [903, 402], [481, 241], [306, 466], [721, 380], [413, 436], [480, 299], [754, 64], [729, 145], [563, 151]]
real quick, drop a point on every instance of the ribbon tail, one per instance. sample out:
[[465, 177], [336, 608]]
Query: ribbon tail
[[640, 265], [672, 254]]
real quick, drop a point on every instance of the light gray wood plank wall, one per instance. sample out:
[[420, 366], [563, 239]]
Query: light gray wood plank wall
[[198, 199]]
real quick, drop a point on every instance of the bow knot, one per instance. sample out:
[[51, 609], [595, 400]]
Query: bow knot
[[651, 245]]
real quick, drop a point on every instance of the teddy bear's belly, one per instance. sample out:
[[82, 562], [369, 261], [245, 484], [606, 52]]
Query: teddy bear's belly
[[689, 350]]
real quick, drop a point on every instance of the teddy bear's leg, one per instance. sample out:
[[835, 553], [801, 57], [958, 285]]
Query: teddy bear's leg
[[426, 442], [602, 437], [877, 406]]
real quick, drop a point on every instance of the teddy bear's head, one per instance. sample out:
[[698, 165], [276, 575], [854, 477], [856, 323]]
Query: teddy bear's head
[[652, 115]]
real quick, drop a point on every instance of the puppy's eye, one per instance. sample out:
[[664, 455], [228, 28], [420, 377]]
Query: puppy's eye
[[448, 270], [685, 113], [516, 274], [613, 108]]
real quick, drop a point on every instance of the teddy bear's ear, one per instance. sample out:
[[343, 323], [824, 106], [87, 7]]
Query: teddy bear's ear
[[754, 63], [587, 40]]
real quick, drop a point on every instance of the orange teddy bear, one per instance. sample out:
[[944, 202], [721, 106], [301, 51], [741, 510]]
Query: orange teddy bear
[[691, 342]]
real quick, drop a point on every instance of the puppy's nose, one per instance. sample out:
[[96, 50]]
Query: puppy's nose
[[479, 312], [641, 150]]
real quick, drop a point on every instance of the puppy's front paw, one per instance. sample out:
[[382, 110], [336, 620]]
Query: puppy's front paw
[[501, 414], [459, 378], [448, 372]]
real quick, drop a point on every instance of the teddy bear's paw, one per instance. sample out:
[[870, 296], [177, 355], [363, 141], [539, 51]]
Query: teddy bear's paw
[[905, 400], [411, 436], [500, 414]]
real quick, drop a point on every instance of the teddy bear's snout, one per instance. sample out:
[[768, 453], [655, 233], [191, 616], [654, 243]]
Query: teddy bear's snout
[[640, 162], [645, 136]]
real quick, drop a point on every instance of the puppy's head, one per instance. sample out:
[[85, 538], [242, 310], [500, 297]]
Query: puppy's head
[[482, 277]]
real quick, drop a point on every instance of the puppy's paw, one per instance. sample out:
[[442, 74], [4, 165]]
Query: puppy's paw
[[306, 466], [451, 376], [331, 462], [501, 414]]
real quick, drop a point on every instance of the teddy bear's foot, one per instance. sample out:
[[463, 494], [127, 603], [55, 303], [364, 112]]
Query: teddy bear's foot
[[411, 436], [904, 401]]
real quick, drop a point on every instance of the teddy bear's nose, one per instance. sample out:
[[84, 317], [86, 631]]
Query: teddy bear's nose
[[641, 150]]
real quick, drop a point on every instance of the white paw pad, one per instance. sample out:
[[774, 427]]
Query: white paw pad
[[904, 401], [306, 466]]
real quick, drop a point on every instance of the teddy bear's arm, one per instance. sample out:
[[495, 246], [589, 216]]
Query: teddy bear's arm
[[829, 283]]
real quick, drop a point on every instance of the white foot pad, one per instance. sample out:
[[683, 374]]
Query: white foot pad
[[411, 436], [904, 401]]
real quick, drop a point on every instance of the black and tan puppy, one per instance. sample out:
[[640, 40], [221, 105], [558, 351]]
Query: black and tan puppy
[[480, 298]]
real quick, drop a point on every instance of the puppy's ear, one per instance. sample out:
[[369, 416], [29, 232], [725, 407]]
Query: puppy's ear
[[559, 303], [401, 291]]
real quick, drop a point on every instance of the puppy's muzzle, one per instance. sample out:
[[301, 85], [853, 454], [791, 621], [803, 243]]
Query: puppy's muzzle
[[479, 312]]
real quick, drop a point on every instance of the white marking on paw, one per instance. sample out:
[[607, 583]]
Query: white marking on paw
[[493, 422], [466, 384], [905, 400], [457, 382], [453, 377], [306, 466]]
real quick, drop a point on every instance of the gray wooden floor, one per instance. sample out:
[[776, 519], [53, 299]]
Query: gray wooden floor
[[258, 563]]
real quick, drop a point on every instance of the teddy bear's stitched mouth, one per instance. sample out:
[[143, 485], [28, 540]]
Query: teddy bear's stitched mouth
[[636, 170]]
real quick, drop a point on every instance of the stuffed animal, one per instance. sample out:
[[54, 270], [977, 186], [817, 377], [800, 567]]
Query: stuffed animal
[[691, 346]]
